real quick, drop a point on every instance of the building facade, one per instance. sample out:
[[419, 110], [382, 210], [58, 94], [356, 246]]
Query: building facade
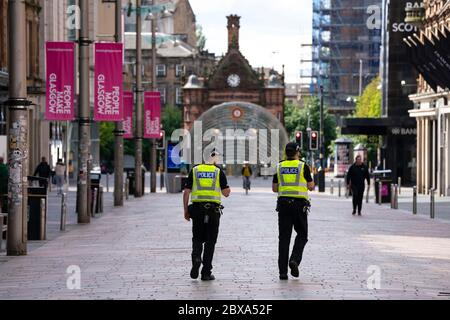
[[432, 112], [395, 131], [177, 56], [233, 79], [345, 50], [35, 79]]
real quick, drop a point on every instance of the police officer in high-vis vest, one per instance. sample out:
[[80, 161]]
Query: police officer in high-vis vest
[[205, 185], [292, 182]]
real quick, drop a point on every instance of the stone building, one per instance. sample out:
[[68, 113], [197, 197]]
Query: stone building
[[35, 79], [233, 80], [177, 55], [432, 109]]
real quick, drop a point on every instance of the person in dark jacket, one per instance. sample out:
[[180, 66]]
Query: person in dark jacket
[[43, 170], [356, 175]]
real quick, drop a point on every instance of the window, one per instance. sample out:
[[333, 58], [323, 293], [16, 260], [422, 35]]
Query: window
[[187, 117], [163, 95], [179, 96], [161, 70], [179, 70]]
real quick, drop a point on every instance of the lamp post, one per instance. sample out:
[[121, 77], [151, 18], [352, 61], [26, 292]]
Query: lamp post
[[139, 110], [153, 16], [84, 122], [154, 88], [118, 132], [322, 144], [18, 131]]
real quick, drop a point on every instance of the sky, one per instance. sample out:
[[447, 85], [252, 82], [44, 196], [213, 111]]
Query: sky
[[271, 32]]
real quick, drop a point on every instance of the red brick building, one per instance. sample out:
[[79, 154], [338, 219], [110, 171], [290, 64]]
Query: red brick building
[[233, 80]]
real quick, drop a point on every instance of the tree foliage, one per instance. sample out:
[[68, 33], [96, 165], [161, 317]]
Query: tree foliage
[[107, 141], [171, 119], [201, 39], [296, 119], [369, 104]]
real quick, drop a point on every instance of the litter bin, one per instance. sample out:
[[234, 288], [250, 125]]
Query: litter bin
[[37, 210], [95, 183], [131, 176], [182, 182], [383, 177]]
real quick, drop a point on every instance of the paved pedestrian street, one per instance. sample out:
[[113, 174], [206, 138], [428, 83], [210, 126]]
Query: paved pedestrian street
[[142, 251]]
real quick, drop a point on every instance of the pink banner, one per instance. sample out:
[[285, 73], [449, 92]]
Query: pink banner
[[152, 115], [60, 78], [128, 115], [108, 104]]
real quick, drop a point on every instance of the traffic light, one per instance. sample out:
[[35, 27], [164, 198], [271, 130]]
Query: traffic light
[[161, 143], [314, 141], [299, 139]]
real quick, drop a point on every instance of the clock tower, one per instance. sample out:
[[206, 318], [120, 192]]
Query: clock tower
[[233, 80]]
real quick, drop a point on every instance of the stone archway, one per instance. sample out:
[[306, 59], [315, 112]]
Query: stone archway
[[252, 120]]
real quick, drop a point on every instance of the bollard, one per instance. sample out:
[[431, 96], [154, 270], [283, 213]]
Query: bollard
[[367, 193], [94, 203], [127, 188], [399, 185], [43, 219], [332, 187], [392, 196], [107, 183], [432, 203], [100, 200], [380, 191], [63, 212], [414, 200], [396, 188], [339, 188]]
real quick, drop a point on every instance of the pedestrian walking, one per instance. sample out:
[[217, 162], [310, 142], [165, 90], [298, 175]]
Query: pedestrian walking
[[205, 185], [43, 170], [356, 175], [292, 182], [246, 175], [60, 173]]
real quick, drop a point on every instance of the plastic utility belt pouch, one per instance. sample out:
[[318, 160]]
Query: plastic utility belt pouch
[[289, 203], [205, 208]]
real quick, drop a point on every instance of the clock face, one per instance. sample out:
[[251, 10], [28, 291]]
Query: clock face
[[234, 80]]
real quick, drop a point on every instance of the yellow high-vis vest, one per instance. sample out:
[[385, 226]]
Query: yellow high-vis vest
[[291, 180], [206, 186]]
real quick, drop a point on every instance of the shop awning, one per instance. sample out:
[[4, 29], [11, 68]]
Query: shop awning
[[375, 126], [430, 55]]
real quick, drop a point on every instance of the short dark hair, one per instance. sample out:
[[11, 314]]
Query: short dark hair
[[291, 153]]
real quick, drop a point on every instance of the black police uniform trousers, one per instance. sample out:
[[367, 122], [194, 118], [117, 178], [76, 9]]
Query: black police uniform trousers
[[205, 232], [358, 196], [291, 215]]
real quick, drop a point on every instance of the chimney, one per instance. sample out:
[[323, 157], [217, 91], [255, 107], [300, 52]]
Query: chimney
[[233, 31]]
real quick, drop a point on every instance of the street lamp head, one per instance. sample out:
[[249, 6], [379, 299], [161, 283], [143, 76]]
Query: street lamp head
[[149, 17], [166, 13], [403, 83]]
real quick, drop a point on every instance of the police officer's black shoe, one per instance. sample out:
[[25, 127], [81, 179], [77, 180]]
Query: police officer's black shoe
[[208, 278], [196, 263], [283, 276], [294, 269]]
